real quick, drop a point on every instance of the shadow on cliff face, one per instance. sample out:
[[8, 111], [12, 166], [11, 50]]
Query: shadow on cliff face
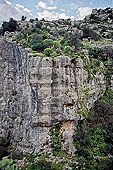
[[4, 144]]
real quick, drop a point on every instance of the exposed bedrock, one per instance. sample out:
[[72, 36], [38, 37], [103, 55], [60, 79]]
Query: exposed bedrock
[[38, 93]]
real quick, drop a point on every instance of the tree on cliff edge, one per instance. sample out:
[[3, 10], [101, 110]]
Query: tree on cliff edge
[[10, 26]]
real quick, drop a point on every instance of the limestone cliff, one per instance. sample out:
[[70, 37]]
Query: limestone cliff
[[38, 93]]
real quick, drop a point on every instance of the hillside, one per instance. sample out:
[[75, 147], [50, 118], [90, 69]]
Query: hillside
[[56, 93]]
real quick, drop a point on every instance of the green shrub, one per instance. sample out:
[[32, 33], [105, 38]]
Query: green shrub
[[103, 109], [56, 139], [36, 38], [84, 112], [62, 41], [18, 156], [7, 164], [78, 55], [97, 141], [48, 43], [96, 52], [48, 52], [38, 24], [62, 31], [39, 164], [37, 47], [74, 58], [58, 166], [91, 147], [24, 43], [68, 50], [57, 44], [51, 32]]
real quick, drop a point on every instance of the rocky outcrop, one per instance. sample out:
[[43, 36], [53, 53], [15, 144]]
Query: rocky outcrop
[[100, 15], [38, 93]]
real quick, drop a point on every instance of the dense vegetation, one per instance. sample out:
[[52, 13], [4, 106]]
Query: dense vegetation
[[44, 41], [94, 138]]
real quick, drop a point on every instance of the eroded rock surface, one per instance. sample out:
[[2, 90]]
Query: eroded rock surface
[[37, 93]]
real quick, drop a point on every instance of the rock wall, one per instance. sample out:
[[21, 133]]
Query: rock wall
[[38, 93]]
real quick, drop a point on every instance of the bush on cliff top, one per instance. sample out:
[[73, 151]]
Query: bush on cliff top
[[48, 52], [10, 26]]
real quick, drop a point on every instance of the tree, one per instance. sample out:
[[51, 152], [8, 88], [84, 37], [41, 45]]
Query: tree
[[36, 19], [36, 42], [23, 18], [74, 40], [36, 38], [71, 40], [31, 20], [88, 32], [10, 26]]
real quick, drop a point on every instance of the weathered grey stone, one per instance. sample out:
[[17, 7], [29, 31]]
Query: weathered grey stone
[[37, 93]]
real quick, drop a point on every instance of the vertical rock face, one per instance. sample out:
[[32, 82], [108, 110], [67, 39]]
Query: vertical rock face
[[14, 87], [38, 93], [53, 84]]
